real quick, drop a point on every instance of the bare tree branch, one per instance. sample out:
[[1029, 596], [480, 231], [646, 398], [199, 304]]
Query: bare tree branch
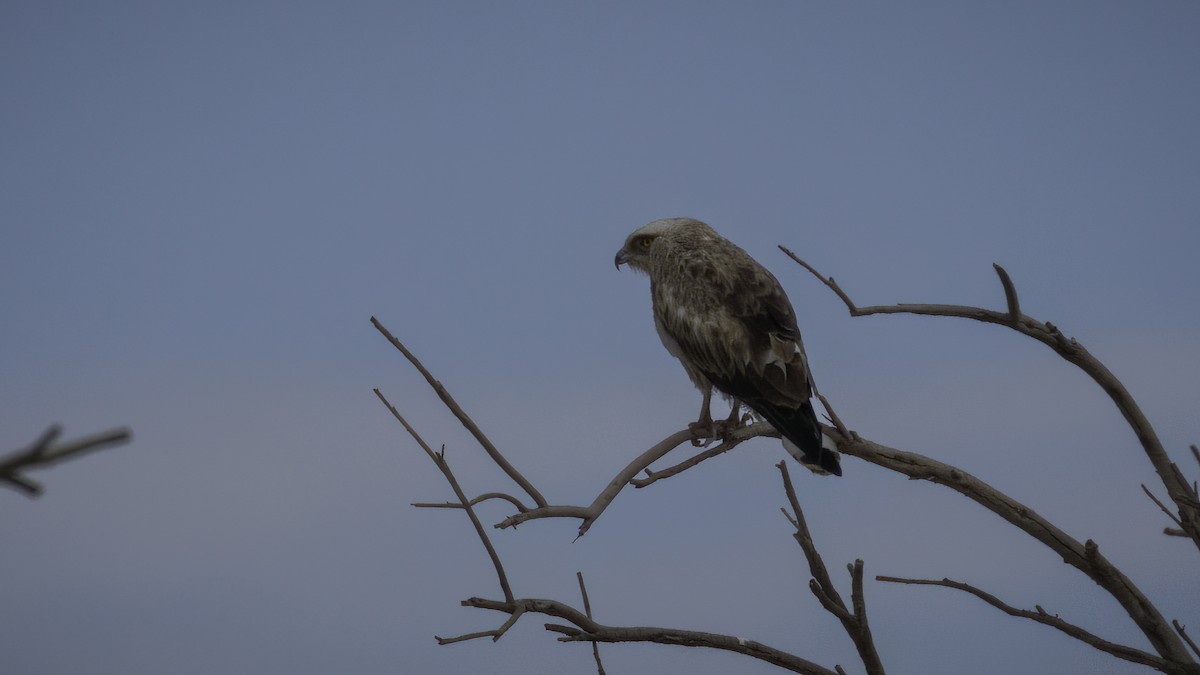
[[590, 513], [495, 634], [1010, 294], [1161, 506], [1040, 616], [913, 465], [822, 586], [584, 629], [1182, 630], [729, 442], [1085, 557], [587, 608], [42, 452], [481, 498], [628, 475], [439, 459], [463, 417], [1180, 492]]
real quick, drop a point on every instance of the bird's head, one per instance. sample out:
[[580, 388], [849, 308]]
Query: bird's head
[[648, 238]]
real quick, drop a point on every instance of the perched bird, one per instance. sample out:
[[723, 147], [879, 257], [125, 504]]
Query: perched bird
[[728, 321]]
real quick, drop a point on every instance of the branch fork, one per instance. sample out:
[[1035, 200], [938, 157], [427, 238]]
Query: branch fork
[[43, 452]]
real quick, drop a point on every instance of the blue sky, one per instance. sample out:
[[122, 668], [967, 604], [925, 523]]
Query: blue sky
[[203, 204]]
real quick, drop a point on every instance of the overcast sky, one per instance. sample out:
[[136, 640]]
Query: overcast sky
[[201, 204]]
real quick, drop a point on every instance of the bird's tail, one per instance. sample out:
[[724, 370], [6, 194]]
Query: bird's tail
[[802, 435]]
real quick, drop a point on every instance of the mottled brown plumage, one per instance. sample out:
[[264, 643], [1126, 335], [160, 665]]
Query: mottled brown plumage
[[729, 322]]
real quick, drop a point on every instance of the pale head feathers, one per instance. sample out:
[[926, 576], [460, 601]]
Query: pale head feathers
[[663, 232]]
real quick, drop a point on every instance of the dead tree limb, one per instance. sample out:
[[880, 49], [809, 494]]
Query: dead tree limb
[[439, 459], [854, 619], [1180, 492], [42, 452], [463, 417], [1041, 616], [1182, 630], [587, 609], [1085, 557], [583, 628]]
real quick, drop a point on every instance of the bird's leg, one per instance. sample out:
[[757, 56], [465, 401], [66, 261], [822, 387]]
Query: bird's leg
[[704, 430], [733, 422]]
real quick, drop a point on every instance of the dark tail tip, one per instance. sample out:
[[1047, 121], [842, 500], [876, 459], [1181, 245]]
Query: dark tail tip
[[829, 461], [799, 426]]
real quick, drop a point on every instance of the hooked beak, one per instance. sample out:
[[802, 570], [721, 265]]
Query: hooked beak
[[620, 259]]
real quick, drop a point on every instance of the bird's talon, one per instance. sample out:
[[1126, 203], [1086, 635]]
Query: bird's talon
[[703, 433]]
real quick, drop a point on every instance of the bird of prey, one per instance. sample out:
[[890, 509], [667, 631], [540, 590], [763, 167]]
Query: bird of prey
[[728, 321]]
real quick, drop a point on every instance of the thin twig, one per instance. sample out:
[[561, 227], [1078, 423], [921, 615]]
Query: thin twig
[[42, 453], [1160, 505], [587, 608], [1010, 294], [440, 460], [463, 417], [816, 566], [495, 633], [481, 498], [1182, 630], [828, 281], [1118, 650], [833, 417]]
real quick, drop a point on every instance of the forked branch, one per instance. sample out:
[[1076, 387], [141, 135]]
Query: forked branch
[[42, 452], [463, 417], [583, 627], [853, 618], [1085, 557], [1180, 492], [439, 459]]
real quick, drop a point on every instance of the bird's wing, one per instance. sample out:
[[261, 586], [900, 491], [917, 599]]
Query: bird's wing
[[777, 368], [738, 329]]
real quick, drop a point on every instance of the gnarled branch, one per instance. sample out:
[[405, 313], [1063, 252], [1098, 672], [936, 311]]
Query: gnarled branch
[[1178, 489], [853, 620], [584, 628], [1085, 557]]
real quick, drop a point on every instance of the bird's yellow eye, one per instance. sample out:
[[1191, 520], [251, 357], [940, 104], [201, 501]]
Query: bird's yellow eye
[[646, 241]]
